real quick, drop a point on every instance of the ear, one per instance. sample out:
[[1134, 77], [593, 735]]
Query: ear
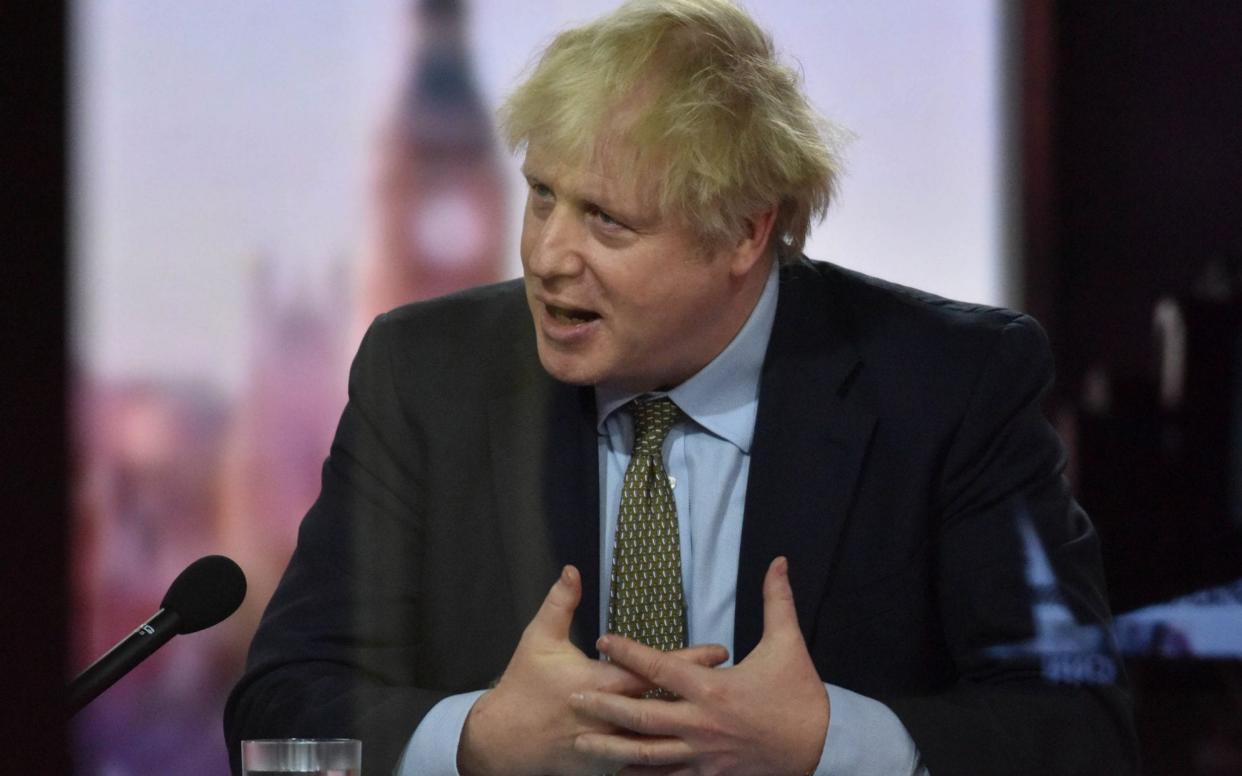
[[753, 245]]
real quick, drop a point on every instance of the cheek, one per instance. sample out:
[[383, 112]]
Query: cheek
[[646, 312], [530, 233], [682, 306]]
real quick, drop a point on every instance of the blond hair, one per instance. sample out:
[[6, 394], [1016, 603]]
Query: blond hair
[[721, 127]]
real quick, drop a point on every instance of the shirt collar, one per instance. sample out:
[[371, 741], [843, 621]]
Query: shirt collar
[[722, 397]]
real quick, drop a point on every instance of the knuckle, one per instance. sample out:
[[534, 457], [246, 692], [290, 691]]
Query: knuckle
[[646, 755], [640, 720], [584, 744], [714, 694], [713, 730], [656, 666]]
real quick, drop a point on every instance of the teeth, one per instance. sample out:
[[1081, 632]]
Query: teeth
[[566, 316]]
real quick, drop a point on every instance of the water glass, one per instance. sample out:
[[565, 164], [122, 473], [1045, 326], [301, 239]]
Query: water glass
[[302, 756]]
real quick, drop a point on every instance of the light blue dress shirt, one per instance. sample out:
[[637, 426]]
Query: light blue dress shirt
[[707, 456]]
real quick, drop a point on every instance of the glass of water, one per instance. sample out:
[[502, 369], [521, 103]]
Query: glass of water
[[302, 756]]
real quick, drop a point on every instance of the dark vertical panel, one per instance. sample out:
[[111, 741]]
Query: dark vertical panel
[[1133, 167], [1037, 66], [32, 414], [1145, 183], [1148, 164]]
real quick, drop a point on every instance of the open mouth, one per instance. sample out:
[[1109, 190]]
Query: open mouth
[[571, 314]]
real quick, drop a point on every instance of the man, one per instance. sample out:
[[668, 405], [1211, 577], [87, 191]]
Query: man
[[832, 471]]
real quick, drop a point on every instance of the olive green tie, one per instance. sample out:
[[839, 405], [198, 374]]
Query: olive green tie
[[646, 602]]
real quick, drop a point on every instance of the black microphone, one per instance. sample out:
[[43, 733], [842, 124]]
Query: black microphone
[[209, 590]]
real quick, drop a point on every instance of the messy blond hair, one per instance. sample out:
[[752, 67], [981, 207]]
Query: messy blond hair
[[721, 127]]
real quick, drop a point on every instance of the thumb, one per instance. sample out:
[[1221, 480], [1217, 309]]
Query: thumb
[[779, 615], [556, 613]]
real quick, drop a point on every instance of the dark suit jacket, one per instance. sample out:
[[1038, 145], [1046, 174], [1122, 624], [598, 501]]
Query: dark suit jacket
[[898, 438]]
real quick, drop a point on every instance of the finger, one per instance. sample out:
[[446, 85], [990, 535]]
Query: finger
[[633, 750], [655, 770], [779, 614], [614, 679], [707, 655], [661, 669], [624, 682], [647, 716], [556, 613]]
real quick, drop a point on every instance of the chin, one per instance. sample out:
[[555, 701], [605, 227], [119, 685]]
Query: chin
[[568, 369]]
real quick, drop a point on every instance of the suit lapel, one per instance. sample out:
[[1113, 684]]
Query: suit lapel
[[546, 478], [807, 453]]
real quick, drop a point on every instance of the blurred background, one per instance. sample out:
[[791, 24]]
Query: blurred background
[[244, 185]]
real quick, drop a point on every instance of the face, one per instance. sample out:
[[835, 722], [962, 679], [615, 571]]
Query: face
[[620, 293]]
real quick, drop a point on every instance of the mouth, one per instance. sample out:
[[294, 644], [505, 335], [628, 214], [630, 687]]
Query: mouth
[[571, 315]]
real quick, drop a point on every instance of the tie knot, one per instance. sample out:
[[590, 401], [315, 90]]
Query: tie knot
[[652, 421]]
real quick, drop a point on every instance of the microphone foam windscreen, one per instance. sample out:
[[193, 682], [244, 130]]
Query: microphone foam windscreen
[[210, 589]]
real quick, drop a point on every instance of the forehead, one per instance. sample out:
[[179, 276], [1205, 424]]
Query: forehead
[[606, 168]]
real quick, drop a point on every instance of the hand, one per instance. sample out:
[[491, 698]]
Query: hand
[[767, 715], [524, 725]]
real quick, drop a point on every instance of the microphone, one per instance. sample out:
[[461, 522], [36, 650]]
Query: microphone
[[210, 589]]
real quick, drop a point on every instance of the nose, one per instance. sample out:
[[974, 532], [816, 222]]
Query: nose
[[555, 247]]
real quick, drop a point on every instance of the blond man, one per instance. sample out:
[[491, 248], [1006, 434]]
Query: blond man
[[825, 555]]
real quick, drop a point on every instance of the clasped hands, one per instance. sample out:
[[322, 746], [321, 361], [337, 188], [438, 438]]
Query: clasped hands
[[556, 711]]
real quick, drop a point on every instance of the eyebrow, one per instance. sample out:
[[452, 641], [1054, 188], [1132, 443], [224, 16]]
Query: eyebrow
[[633, 221]]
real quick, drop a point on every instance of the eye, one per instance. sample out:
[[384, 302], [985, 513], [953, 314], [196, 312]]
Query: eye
[[539, 190], [605, 220]]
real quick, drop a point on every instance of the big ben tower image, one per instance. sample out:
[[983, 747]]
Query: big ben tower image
[[439, 192]]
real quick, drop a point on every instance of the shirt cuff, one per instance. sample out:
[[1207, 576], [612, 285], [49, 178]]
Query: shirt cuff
[[432, 750], [865, 738]]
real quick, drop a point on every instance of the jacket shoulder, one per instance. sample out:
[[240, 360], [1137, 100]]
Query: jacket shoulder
[[462, 344], [912, 344], [880, 316], [872, 300], [472, 311]]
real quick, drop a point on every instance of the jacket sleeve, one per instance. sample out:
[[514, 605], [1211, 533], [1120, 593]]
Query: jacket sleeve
[[336, 650], [1040, 687]]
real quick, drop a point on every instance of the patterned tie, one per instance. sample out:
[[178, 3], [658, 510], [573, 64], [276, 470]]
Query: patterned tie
[[646, 602]]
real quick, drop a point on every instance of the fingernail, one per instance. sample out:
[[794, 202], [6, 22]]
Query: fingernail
[[565, 574], [602, 643], [782, 565]]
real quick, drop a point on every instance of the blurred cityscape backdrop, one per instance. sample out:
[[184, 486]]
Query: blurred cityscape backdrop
[[253, 182]]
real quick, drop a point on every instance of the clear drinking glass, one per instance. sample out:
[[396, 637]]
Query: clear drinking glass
[[302, 756]]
